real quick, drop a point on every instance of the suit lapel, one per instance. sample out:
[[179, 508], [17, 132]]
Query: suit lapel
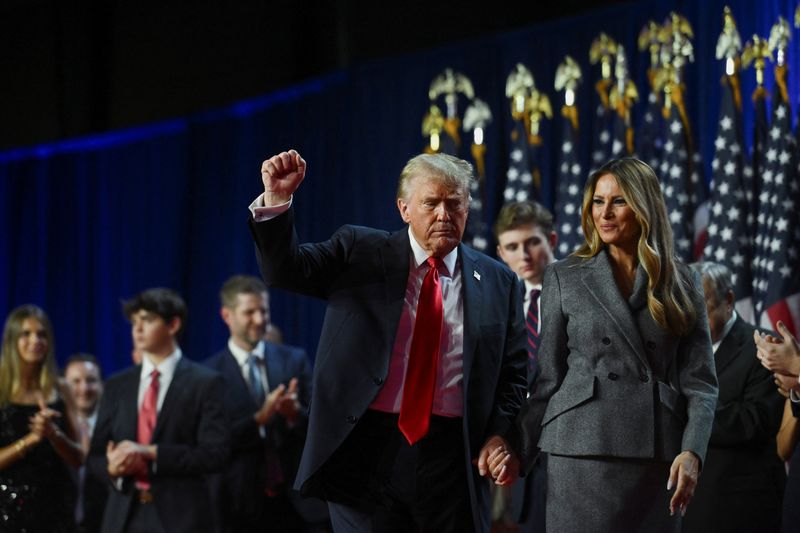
[[473, 303], [172, 399], [395, 259], [730, 347], [233, 374], [276, 372], [129, 406], [599, 282]]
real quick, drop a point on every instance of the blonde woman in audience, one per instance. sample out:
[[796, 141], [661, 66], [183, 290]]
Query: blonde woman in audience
[[37, 439]]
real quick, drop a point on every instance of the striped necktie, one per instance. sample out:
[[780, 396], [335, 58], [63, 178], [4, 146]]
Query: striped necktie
[[532, 325]]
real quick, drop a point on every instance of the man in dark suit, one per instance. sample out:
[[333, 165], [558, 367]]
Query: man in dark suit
[[84, 378], [421, 363], [525, 242], [161, 428], [741, 484], [267, 391]]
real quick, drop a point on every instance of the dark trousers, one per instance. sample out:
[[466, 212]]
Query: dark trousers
[[143, 518], [376, 481]]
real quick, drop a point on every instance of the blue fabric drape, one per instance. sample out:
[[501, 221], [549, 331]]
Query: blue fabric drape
[[89, 222]]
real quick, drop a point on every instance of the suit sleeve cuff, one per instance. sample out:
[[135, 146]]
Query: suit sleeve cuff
[[260, 212]]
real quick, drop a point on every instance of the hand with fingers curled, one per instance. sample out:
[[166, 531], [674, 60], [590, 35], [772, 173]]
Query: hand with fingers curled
[[281, 175], [497, 459], [126, 458], [270, 405], [778, 355], [683, 476], [42, 424], [288, 404], [786, 384]]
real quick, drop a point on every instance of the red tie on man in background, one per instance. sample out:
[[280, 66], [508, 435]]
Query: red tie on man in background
[[423, 358], [147, 423], [532, 325]]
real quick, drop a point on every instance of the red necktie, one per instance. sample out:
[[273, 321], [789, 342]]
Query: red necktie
[[532, 325], [147, 422], [423, 358]]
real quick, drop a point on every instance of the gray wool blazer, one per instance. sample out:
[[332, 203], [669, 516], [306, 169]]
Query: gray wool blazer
[[612, 382]]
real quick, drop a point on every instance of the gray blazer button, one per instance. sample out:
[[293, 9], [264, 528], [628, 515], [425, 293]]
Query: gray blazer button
[[352, 419], [651, 345], [645, 378], [612, 376], [606, 341]]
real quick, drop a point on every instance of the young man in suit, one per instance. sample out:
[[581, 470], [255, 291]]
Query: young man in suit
[[161, 428], [741, 484], [85, 381], [267, 391], [525, 242], [421, 362]]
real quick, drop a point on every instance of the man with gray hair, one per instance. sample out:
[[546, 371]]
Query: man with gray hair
[[421, 364], [742, 481]]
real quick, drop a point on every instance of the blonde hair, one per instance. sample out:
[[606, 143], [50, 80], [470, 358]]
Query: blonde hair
[[448, 169], [10, 381], [668, 288]]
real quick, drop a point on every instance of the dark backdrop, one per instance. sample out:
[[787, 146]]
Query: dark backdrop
[[87, 222]]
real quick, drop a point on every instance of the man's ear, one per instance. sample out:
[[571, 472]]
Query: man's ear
[[402, 206], [174, 325], [553, 240], [225, 314]]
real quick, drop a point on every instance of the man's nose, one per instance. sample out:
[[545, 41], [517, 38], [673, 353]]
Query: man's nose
[[441, 212]]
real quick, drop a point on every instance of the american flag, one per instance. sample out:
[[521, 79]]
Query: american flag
[[570, 187], [650, 134], [754, 170], [729, 238], [619, 137], [676, 174], [601, 139], [522, 166], [777, 271]]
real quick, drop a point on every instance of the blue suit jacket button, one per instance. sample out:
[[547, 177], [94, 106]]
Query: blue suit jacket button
[[378, 381], [352, 419]]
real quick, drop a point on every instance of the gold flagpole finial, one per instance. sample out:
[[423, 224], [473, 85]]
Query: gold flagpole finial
[[568, 76], [729, 43], [756, 52], [779, 37], [451, 84], [603, 50], [624, 93], [518, 86]]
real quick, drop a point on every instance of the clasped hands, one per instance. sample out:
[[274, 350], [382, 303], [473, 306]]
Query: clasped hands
[[781, 357], [128, 458], [496, 459], [42, 424], [282, 400]]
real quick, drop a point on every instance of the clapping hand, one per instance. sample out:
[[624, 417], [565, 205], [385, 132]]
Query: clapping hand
[[781, 356]]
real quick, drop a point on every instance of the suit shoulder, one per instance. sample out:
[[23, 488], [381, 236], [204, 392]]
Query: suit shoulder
[[199, 371], [132, 372], [216, 360], [487, 262], [287, 351]]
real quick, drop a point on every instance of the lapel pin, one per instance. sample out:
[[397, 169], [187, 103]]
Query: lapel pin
[[477, 276]]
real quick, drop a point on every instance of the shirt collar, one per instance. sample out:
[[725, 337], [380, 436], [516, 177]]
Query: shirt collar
[[242, 355], [420, 255], [727, 329], [166, 368]]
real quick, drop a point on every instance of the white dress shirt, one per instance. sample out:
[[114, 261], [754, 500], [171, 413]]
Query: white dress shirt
[[448, 394], [166, 369]]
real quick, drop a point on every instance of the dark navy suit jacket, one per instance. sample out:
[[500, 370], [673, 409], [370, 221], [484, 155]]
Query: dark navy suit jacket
[[362, 274], [193, 437]]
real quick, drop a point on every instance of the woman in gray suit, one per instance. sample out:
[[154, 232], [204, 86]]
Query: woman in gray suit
[[625, 399]]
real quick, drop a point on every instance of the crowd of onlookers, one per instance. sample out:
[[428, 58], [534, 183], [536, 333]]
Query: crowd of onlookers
[[168, 444]]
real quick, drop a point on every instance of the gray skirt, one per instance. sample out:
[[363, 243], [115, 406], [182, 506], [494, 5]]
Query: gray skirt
[[608, 494]]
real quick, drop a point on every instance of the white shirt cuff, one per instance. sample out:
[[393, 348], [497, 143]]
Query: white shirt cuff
[[794, 396], [262, 212]]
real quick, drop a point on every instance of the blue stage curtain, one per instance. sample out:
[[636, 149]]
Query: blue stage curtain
[[87, 223]]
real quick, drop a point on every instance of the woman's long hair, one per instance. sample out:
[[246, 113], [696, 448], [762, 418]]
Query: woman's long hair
[[10, 380], [668, 289]]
